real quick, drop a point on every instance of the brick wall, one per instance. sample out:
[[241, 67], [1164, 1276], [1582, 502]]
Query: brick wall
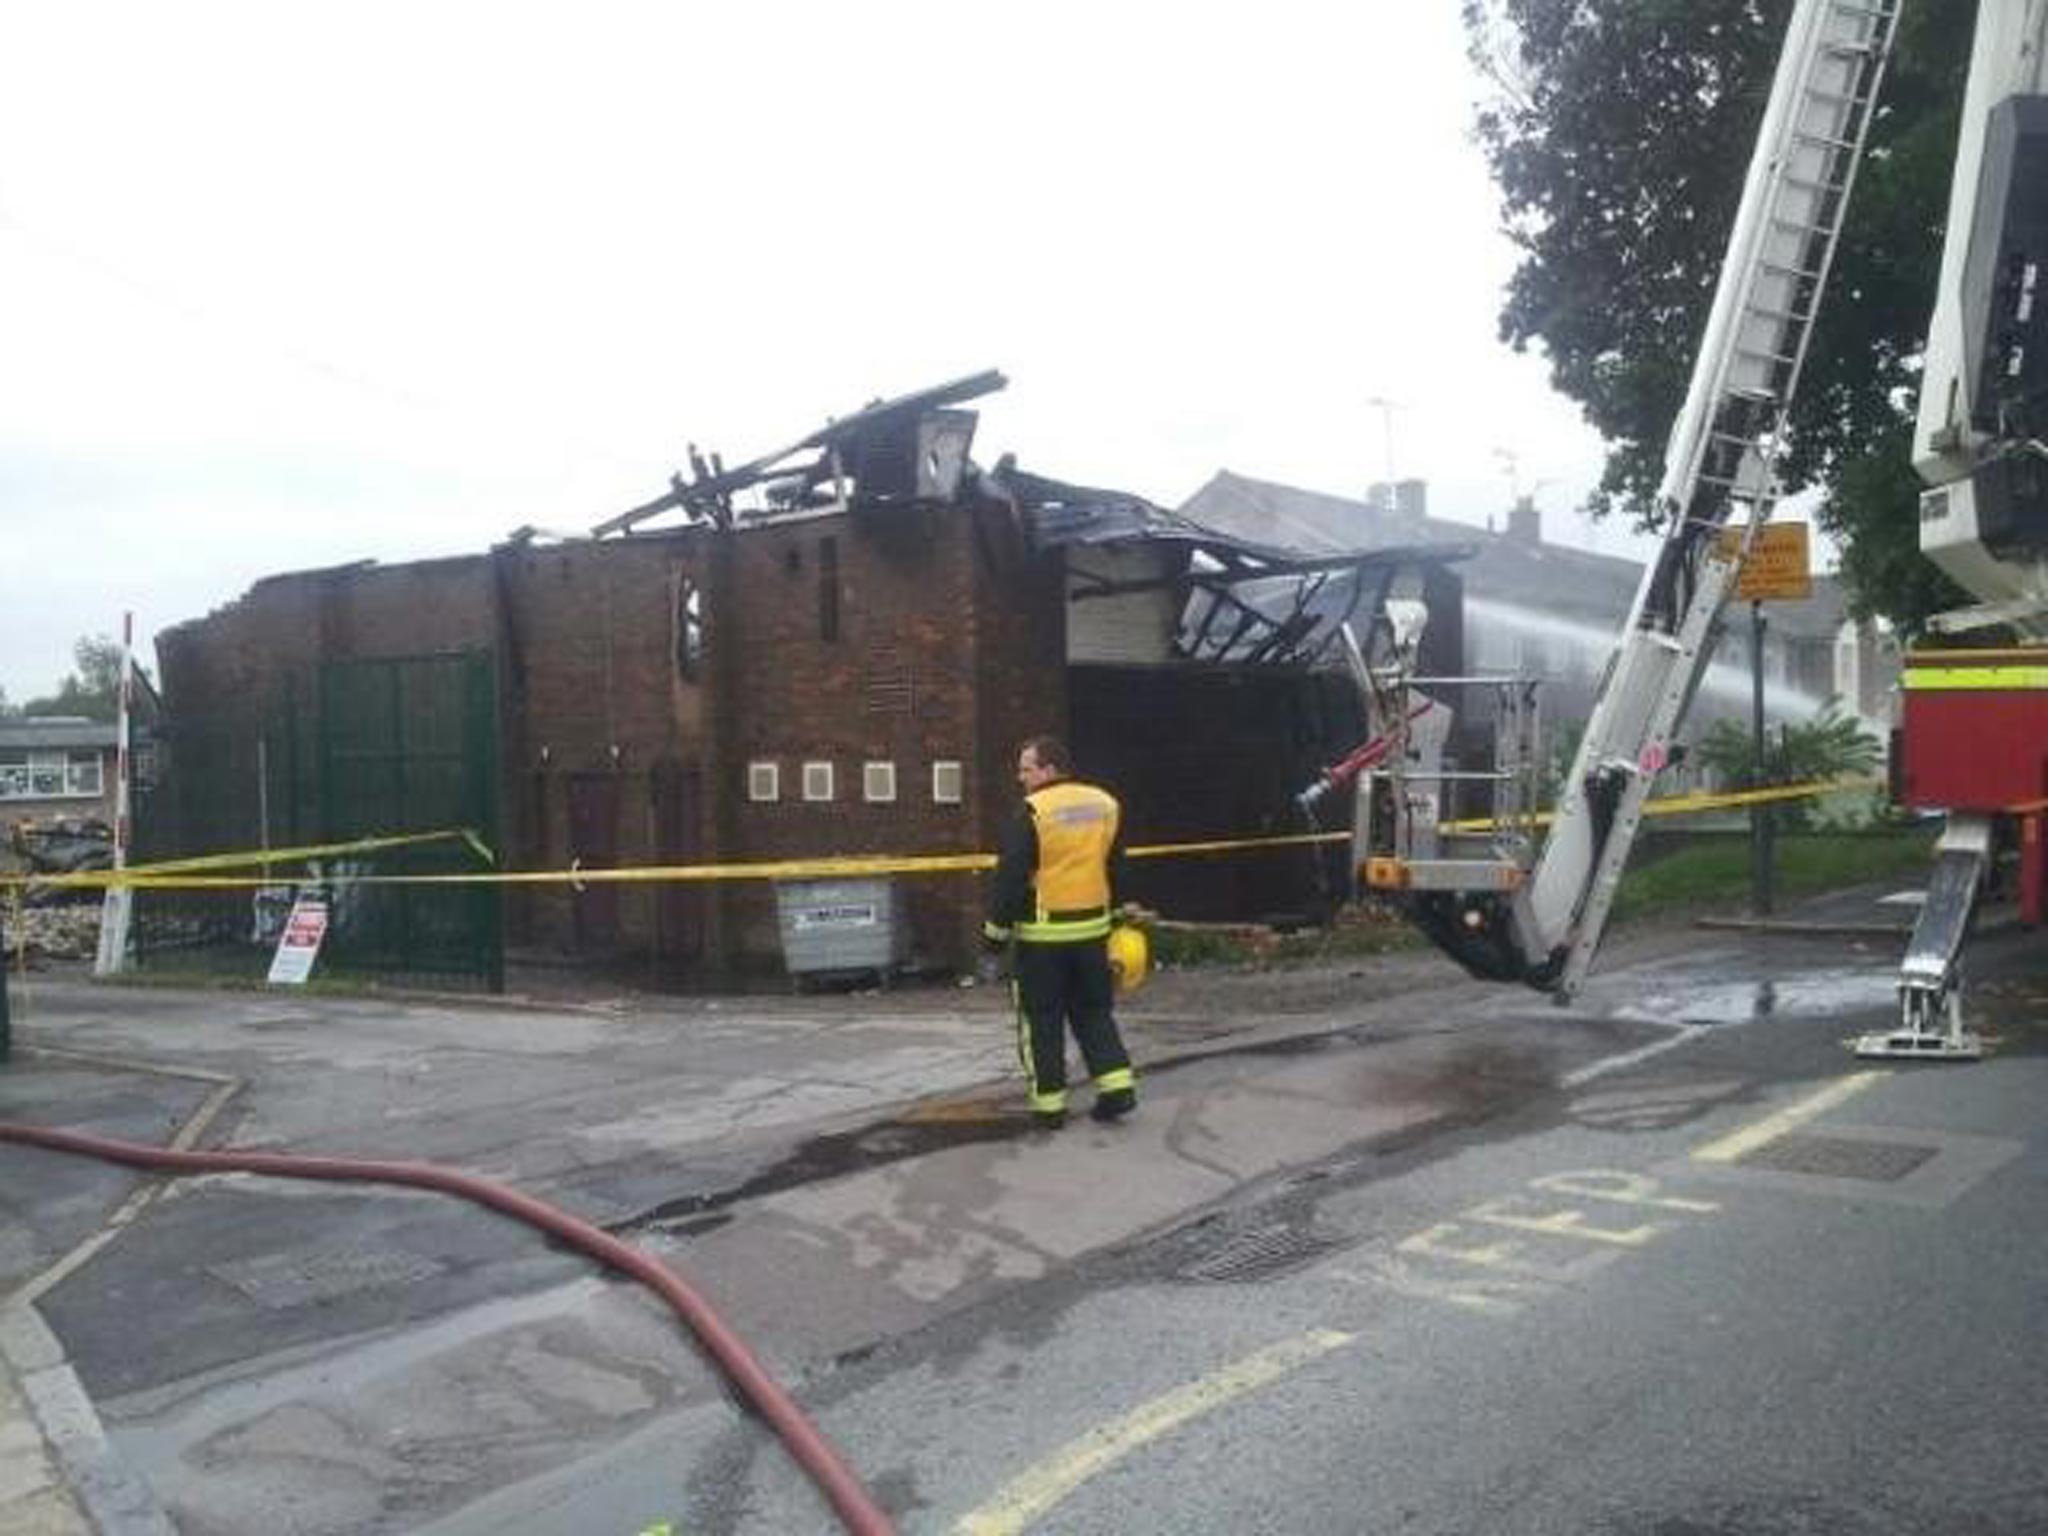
[[908, 636], [596, 716], [230, 679], [98, 807]]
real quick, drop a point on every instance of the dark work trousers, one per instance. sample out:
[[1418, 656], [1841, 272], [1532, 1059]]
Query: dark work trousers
[[1060, 985]]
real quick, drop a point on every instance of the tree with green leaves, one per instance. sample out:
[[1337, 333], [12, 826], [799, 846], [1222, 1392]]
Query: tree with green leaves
[[94, 689], [1619, 134]]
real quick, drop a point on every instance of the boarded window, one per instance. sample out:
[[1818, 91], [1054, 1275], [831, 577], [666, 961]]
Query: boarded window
[[764, 781], [946, 782], [878, 782], [888, 686], [828, 590], [817, 781]]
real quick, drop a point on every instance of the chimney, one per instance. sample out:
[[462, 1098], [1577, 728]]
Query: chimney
[[1525, 523], [1398, 507]]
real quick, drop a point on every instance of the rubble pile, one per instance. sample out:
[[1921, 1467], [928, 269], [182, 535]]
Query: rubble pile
[[53, 933]]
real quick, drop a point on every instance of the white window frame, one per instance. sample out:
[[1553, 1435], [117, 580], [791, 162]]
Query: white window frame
[[949, 781], [878, 781], [764, 781], [75, 773], [817, 782]]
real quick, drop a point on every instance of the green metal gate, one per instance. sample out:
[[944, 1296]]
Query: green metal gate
[[408, 746], [351, 750]]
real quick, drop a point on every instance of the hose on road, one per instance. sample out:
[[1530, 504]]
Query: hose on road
[[857, 1510]]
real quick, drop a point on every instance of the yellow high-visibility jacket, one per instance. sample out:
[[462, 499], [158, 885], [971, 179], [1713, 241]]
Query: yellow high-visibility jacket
[[1059, 868]]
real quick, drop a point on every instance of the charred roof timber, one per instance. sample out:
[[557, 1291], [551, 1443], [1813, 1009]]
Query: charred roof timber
[[1241, 602], [891, 452]]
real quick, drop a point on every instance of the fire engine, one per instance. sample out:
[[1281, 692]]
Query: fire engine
[[1508, 901]]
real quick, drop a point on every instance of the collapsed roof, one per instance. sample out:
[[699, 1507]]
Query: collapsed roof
[[1242, 602]]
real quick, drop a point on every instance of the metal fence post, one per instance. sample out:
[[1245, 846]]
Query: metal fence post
[[1761, 852], [8, 919]]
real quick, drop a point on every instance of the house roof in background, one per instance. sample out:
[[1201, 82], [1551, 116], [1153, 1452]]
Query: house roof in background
[[1505, 569], [17, 732]]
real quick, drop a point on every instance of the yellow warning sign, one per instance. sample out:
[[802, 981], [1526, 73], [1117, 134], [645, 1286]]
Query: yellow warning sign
[[1778, 566]]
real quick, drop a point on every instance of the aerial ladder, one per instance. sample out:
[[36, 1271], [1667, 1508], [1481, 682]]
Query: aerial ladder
[[1512, 906]]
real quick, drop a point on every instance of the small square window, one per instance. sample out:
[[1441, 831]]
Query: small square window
[[878, 782], [764, 781], [818, 781], [82, 774], [946, 782]]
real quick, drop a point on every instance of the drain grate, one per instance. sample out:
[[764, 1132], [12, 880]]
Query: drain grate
[[1837, 1157], [282, 1280], [1264, 1253]]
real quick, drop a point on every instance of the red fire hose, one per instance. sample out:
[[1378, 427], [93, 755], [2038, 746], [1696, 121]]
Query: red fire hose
[[860, 1514]]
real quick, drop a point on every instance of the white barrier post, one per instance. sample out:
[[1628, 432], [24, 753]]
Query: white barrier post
[[115, 911]]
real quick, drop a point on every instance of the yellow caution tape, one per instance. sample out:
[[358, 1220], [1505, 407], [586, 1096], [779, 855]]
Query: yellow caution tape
[[778, 869], [151, 874], [178, 874], [1684, 805], [300, 854], [1232, 845]]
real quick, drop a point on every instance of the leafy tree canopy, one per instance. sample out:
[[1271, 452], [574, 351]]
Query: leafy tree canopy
[[94, 689], [1619, 135]]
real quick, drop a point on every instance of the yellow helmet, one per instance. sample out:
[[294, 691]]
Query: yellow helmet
[[1130, 957]]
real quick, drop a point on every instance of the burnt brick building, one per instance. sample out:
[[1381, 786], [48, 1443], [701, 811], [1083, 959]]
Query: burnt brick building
[[843, 668]]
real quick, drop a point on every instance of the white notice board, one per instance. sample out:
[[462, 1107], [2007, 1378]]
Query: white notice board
[[299, 945]]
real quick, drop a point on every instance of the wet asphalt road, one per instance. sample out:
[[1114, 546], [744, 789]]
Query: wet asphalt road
[[1449, 1261], [1590, 1312]]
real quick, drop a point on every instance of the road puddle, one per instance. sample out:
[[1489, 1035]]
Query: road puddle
[[1818, 994]]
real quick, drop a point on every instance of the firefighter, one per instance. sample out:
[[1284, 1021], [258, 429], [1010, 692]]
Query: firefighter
[[1055, 888]]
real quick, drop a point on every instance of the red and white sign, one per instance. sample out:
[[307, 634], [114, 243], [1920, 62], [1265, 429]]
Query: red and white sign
[[299, 945]]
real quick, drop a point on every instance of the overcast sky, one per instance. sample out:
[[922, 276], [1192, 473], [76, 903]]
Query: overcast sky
[[283, 286]]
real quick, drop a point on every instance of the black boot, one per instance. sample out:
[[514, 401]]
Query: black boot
[[1114, 1104], [1048, 1119]]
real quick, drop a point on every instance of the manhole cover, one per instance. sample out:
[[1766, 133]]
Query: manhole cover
[[1262, 1254], [1837, 1157], [296, 1279]]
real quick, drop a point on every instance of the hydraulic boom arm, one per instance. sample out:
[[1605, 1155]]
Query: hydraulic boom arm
[[1720, 468]]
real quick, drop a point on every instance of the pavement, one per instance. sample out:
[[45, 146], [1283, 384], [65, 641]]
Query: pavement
[[830, 1170]]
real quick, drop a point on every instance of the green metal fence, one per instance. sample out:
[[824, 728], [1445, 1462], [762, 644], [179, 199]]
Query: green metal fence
[[358, 749]]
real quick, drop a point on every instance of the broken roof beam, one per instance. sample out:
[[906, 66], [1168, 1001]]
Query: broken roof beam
[[710, 495], [971, 387], [1243, 574]]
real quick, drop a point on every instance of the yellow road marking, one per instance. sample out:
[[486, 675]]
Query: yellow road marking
[[1027, 1497], [1739, 1144]]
